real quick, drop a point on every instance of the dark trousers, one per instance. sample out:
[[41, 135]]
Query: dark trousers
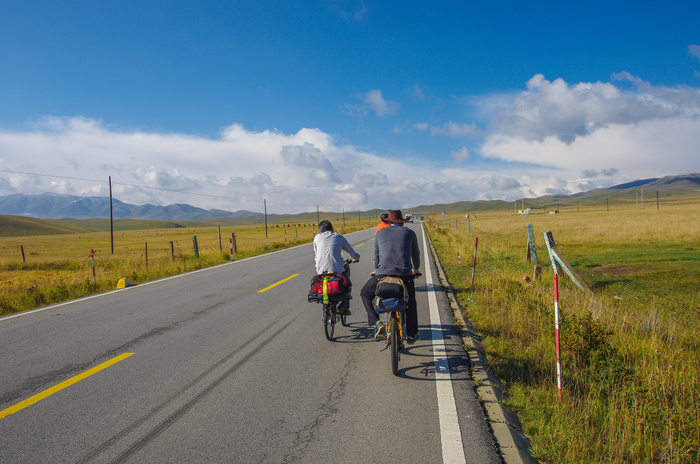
[[411, 313], [346, 303]]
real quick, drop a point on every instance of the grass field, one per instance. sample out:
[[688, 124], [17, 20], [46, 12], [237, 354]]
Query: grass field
[[59, 267], [630, 352]]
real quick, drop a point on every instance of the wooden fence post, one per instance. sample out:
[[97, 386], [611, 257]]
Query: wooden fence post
[[531, 254], [194, 243], [172, 251], [94, 276], [21, 248]]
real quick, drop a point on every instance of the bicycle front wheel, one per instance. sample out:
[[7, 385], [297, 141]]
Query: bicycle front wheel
[[395, 344], [328, 321]]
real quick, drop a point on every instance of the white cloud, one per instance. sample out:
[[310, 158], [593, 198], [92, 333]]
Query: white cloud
[[418, 93], [557, 109], [460, 155], [553, 137], [590, 135], [449, 129], [379, 105], [694, 50], [293, 172], [374, 101]]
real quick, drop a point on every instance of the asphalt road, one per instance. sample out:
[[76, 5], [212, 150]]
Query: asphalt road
[[206, 367]]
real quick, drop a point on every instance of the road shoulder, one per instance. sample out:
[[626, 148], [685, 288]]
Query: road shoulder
[[505, 425]]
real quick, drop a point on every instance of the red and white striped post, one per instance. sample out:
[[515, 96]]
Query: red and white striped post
[[231, 244], [556, 332], [459, 259], [476, 244], [94, 277]]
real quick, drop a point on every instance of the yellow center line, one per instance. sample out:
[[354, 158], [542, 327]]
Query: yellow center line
[[280, 282], [361, 244], [65, 384]]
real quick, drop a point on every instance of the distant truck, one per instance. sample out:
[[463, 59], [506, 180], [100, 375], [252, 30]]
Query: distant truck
[[409, 217]]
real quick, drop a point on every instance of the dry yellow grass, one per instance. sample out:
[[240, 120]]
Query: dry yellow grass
[[631, 352], [58, 267]]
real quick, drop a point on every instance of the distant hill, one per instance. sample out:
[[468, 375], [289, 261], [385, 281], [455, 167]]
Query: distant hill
[[671, 188], [79, 214], [57, 206], [16, 226]]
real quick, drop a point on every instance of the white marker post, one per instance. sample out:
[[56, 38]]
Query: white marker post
[[476, 244], [549, 239], [556, 332]]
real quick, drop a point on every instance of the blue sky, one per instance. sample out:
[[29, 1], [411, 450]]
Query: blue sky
[[344, 104]]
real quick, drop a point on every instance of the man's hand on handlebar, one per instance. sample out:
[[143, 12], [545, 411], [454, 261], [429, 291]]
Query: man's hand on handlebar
[[417, 273]]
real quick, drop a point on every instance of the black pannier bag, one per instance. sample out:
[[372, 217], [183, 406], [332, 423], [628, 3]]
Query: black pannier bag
[[390, 287], [328, 288]]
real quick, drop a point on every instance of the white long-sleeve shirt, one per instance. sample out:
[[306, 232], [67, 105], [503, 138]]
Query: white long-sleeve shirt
[[328, 247]]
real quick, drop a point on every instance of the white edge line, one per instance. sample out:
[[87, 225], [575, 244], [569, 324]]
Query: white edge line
[[450, 433]]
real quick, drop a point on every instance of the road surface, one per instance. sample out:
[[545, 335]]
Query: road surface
[[230, 364]]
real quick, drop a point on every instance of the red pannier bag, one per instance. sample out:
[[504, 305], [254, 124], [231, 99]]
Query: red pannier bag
[[335, 287]]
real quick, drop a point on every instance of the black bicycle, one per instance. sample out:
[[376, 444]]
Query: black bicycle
[[334, 305]]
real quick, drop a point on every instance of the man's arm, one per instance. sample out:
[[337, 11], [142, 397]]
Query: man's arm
[[345, 245], [415, 252]]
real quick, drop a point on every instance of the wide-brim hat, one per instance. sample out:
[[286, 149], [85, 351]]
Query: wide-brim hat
[[395, 217]]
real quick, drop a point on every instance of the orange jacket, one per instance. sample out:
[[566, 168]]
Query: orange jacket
[[381, 225]]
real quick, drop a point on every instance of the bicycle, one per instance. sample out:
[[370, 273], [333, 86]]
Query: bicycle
[[332, 305], [395, 323]]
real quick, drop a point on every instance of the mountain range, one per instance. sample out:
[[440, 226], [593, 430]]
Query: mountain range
[[58, 206]]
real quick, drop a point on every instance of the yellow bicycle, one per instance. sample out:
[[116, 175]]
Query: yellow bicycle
[[392, 313]]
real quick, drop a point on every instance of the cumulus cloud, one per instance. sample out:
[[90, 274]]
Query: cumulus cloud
[[552, 137], [373, 101], [504, 183], [593, 174], [292, 172], [460, 155], [308, 156], [450, 129], [418, 93], [557, 109], [591, 135], [694, 50]]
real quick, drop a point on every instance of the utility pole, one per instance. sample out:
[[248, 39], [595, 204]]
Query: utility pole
[[111, 216]]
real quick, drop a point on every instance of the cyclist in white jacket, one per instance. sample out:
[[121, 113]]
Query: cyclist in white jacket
[[328, 247]]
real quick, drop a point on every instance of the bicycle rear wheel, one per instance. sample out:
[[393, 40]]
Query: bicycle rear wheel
[[328, 321], [343, 316], [395, 343]]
